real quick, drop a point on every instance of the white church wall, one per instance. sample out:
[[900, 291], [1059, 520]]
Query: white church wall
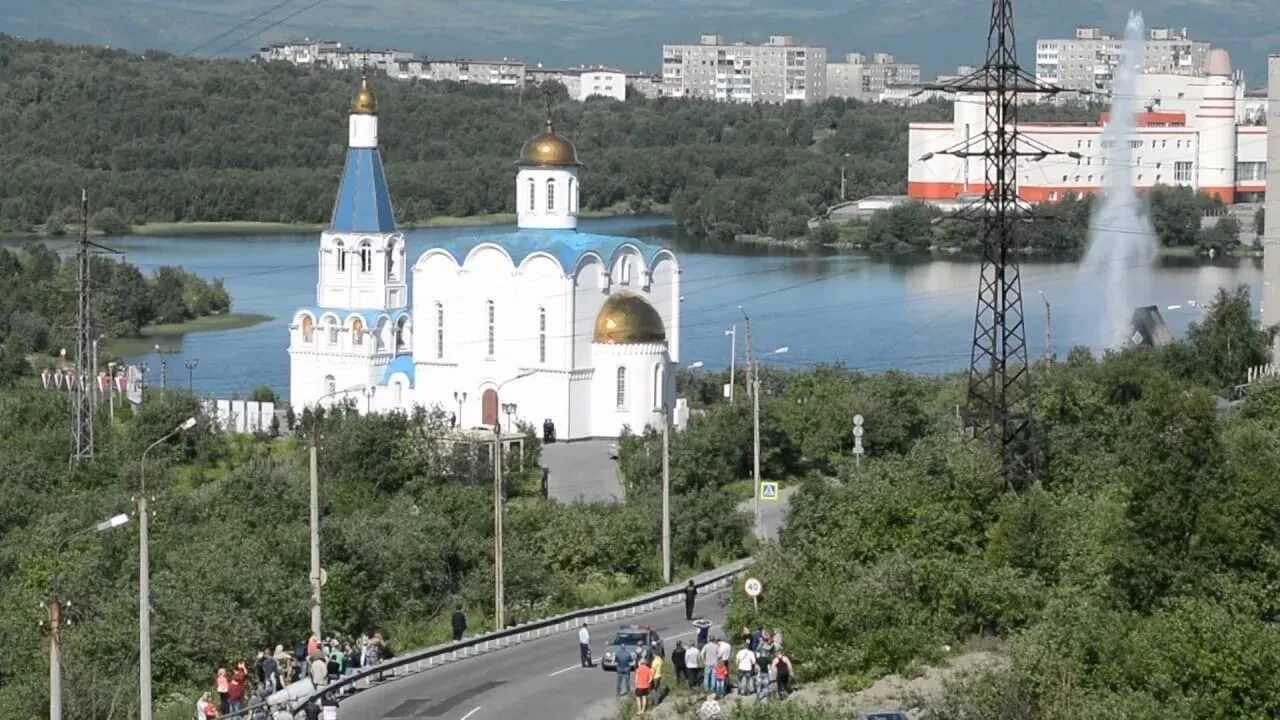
[[438, 287], [588, 299], [664, 295], [580, 423], [540, 291], [532, 207], [640, 405], [241, 416]]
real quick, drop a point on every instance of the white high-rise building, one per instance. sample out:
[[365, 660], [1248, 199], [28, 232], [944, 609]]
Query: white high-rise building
[[776, 71]]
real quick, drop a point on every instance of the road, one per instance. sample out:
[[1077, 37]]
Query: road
[[537, 680], [581, 471]]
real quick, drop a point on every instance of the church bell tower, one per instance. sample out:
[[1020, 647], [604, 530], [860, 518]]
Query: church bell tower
[[547, 183]]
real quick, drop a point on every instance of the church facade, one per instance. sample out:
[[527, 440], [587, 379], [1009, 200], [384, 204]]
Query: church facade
[[543, 323]]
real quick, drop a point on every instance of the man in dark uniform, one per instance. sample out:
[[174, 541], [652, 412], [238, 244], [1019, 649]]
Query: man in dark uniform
[[459, 624], [690, 593]]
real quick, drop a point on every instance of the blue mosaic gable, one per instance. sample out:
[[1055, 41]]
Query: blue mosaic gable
[[364, 203], [566, 246], [402, 364]]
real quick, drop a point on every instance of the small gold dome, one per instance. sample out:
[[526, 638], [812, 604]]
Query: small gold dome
[[627, 318], [364, 103], [548, 150]]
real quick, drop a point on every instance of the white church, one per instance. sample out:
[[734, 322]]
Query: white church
[[543, 323]]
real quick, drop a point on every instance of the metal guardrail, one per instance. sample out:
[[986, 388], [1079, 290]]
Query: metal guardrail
[[440, 655]]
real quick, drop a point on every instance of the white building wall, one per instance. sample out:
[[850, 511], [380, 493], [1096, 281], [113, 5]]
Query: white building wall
[[645, 388], [1271, 238], [347, 285], [539, 208]]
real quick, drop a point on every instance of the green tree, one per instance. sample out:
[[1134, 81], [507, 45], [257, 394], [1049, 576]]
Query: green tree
[[56, 224], [109, 221]]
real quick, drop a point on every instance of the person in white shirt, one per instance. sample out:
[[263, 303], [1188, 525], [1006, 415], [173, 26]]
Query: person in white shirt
[[723, 651], [693, 665], [584, 646], [746, 670]]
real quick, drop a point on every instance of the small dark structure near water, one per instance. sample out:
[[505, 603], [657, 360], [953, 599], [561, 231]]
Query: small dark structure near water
[[1149, 328]]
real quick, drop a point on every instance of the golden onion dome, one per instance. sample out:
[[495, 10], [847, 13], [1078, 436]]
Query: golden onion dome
[[627, 318], [548, 150], [364, 103]]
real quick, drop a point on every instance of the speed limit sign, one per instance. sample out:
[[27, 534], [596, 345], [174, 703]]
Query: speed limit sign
[[753, 587]]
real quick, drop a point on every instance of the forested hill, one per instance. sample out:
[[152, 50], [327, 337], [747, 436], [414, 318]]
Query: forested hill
[[164, 138]]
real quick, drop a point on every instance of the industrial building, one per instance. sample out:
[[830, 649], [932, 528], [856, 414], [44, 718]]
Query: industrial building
[[1191, 134], [776, 71], [1088, 61]]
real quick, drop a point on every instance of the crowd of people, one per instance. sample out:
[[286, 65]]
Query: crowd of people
[[759, 667], [245, 693]]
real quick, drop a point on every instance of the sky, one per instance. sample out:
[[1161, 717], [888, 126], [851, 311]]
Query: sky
[[938, 34]]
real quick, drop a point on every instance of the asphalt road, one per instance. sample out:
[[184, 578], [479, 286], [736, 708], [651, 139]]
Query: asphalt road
[[538, 680], [581, 471]]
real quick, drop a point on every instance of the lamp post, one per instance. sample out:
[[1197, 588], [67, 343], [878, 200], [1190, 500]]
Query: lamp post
[[164, 367], [755, 422], [508, 409], [111, 392], [55, 609], [460, 398], [144, 577], [191, 370], [666, 493], [314, 510], [499, 599], [733, 356]]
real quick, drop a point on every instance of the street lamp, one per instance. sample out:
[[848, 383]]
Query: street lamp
[[499, 601], [55, 609], [191, 369], [755, 413], [144, 576], [164, 368], [315, 510], [460, 398], [1048, 328], [508, 409]]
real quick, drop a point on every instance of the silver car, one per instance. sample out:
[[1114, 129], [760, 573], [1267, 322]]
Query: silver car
[[639, 640]]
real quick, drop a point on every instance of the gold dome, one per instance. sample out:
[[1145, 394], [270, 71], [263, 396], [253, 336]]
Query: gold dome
[[548, 150], [627, 318], [364, 103]]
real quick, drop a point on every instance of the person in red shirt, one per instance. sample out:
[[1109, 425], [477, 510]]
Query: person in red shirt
[[644, 681], [235, 688]]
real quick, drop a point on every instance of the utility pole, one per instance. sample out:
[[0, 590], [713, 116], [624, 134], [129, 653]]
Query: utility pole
[[666, 494], [750, 363], [82, 412], [733, 357], [755, 412], [55, 657], [315, 534], [1048, 329], [499, 602], [191, 371]]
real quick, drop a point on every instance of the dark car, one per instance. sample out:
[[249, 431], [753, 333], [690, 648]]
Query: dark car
[[639, 640], [885, 715]]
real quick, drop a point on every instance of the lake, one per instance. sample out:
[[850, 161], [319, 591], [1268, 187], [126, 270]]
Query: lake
[[870, 314]]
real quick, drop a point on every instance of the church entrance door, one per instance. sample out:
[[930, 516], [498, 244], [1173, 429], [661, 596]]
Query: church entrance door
[[489, 408]]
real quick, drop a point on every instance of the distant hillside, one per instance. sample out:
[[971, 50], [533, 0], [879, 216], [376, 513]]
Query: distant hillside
[[167, 139], [938, 33]]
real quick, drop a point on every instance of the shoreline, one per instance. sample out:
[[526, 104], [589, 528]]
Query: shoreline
[[163, 334]]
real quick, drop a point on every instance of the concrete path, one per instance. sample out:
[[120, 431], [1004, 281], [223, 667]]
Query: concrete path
[[582, 471]]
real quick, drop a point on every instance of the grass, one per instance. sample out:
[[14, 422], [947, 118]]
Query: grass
[[146, 340]]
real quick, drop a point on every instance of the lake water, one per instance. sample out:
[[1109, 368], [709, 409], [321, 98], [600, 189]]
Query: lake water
[[865, 313]]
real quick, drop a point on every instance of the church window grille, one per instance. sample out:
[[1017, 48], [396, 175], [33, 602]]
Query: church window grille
[[542, 335], [439, 331], [308, 329], [401, 327], [492, 317], [551, 195], [532, 199], [391, 262], [341, 250], [333, 334], [366, 257], [622, 388], [330, 385], [357, 332]]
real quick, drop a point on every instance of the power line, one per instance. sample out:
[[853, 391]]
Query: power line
[[271, 26], [245, 23]]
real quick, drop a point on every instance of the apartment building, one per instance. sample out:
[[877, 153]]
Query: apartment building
[[330, 53], [1089, 60], [503, 73], [584, 82], [646, 85], [866, 79], [776, 71]]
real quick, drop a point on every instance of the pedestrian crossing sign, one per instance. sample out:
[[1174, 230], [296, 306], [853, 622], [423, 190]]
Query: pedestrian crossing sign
[[768, 491]]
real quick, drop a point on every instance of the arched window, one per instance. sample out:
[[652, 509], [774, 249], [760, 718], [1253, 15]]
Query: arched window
[[401, 340], [492, 317], [357, 332], [531, 195], [439, 331], [341, 250], [622, 388], [573, 196], [657, 387], [391, 260], [542, 335], [626, 271], [330, 385], [308, 329], [399, 394], [551, 195], [366, 257], [333, 331]]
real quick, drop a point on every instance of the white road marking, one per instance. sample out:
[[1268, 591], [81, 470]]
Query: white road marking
[[474, 710], [560, 672]]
